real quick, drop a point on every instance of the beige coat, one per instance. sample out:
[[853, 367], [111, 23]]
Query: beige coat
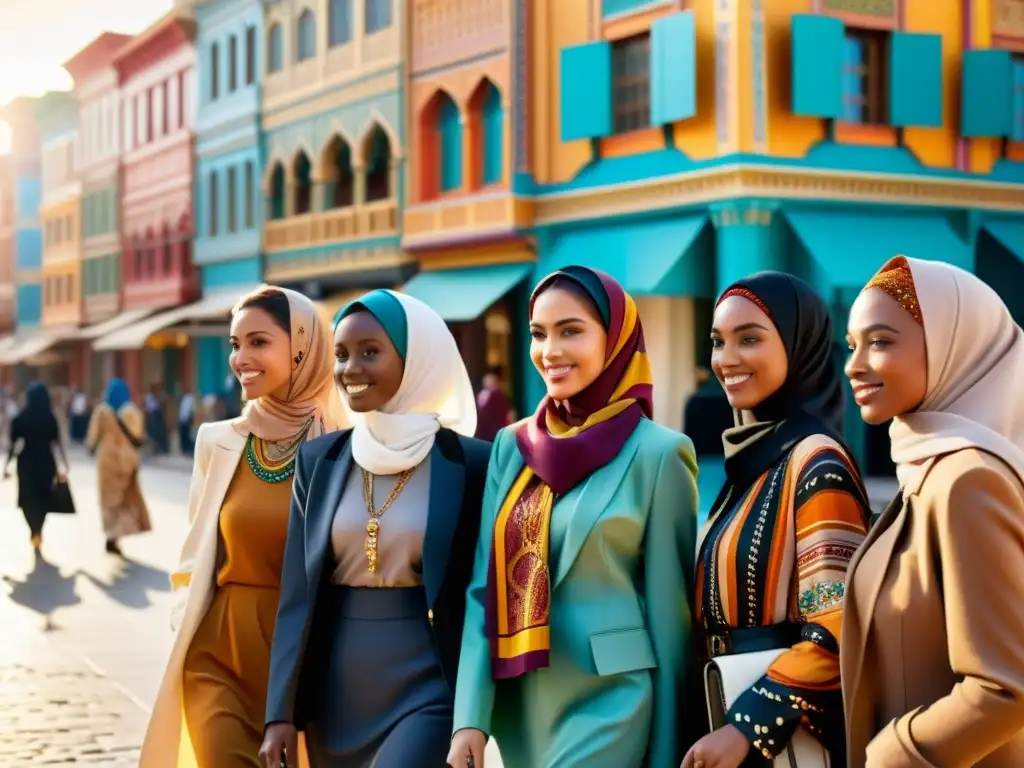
[[942, 575], [122, 505]]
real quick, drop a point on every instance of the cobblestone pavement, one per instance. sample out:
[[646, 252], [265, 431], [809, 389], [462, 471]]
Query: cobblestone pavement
[[56, 710]]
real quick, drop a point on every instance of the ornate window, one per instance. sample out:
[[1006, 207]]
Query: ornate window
[[378, 15], [631, 83], [865, 77], [449, 128], [306, 36], [339, 22], [492, 123], [275, 49]]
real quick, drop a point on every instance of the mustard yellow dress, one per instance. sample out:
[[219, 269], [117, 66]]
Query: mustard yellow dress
[[227, 664]]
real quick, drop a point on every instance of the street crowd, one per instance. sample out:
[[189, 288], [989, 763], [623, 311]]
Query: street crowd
[[381, 570]]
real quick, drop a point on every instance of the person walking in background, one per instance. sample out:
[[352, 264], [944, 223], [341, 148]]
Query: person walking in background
[[156, 419], [577, 641], [78, 416], [116, 434], [773, 555], [229, 575], [186, 418], [494, 411], [933, 637], [34, 436]]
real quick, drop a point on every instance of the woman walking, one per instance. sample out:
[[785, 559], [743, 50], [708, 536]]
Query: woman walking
[[34, 436], [577, 638], [774, 553], [933, 638], [383, 525], [230, 570], [116, 434]]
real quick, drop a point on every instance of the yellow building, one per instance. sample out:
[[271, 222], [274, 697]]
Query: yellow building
[[60, 211]]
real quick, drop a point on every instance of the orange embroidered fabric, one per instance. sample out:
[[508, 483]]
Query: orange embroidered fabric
[[897, 281]]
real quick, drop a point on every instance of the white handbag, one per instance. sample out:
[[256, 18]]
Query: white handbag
[[727, 676]]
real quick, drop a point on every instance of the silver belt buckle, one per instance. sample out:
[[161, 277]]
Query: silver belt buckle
[[718, 645]]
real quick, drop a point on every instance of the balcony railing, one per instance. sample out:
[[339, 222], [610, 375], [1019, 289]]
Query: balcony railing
[[340, 225], [465, 218]]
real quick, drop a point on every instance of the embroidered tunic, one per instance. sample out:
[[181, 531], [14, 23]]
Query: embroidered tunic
[[780, 554]]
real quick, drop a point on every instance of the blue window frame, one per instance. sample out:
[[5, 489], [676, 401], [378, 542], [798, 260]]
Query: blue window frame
[[339, 22], [853, 80], [492, 119], [307, 36], [449, 126], [1017, 132], [275, 49], [378, 15], [866, 77]]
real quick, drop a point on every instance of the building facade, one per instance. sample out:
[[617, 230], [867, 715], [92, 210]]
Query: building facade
[[685, 144], [98, 165], [156, 79], [469, 216], [8, 206], [229, 200], [333, 124]]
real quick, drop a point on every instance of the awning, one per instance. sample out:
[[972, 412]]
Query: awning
[[847, 248], [647, 257], [210, 307], [33, 343], [1010, 235], [120, 320], [459, 295]]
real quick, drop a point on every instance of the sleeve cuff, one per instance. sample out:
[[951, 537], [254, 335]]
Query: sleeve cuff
[[765, 716]]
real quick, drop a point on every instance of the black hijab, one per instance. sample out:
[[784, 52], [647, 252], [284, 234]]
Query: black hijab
[[38, 410], [810, 400]]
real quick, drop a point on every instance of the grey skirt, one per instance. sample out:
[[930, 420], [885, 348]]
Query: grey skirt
[[384, 702]]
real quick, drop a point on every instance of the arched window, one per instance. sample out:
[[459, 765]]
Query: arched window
[[277, 192], [449, 128], [307, 36], [492, 124], [303, 184], [339, 22], [275, 49], [378, 15], [377, 152], [338, 163]]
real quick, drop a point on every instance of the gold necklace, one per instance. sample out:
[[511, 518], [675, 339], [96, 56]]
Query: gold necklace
[[373, 524]]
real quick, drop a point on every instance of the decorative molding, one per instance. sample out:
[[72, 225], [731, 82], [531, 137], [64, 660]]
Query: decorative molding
[[699, 188], [282, 267], [760, 77], [725, 60], [1008, 19], [466, 218]]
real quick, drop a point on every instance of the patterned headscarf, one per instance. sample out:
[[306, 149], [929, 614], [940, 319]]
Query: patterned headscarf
[[311, 392], [559, 457]]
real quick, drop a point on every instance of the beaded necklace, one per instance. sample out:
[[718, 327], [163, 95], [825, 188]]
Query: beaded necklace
[[271, 462]]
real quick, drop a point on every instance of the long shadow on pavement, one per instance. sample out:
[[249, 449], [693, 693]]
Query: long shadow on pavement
[[44, 589], [132, 583]]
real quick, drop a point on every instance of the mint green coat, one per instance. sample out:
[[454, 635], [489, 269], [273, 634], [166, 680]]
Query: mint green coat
[[622, 560]]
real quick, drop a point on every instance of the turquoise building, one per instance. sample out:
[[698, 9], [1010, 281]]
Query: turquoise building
[[229, 157]]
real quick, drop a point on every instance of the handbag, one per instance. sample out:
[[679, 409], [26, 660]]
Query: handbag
[[61, 501], [727, 676]]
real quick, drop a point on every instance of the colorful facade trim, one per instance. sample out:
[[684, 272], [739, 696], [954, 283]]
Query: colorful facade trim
[[8, 205]]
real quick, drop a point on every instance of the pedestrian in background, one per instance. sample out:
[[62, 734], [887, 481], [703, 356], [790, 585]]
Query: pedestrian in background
[[116, 435], [229, 575], [494, 412], [186, 418], [34, 436]]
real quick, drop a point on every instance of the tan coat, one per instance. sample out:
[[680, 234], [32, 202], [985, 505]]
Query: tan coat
[[122, 505], [218, 450], [940, 582]]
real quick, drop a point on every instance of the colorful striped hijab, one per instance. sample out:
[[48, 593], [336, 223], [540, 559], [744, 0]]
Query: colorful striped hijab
[[558, 457]]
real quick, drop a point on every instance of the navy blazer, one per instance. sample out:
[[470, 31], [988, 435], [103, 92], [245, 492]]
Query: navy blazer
[[458, 470]]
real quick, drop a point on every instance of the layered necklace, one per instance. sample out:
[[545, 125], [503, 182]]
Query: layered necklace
[[373, 524], [274, 462]]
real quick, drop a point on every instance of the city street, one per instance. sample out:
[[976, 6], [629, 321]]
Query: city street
[[85, 634]]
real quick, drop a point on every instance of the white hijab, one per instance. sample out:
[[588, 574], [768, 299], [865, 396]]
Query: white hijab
[[435, 392]]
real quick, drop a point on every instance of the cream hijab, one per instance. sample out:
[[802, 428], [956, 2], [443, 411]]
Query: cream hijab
[[311, 389], [435, 392], [975, 373]]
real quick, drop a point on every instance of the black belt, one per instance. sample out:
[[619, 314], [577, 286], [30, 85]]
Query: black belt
[[722, 641]]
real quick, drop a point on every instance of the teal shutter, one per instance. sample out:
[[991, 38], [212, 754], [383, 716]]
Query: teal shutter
[[915, 80], [586, 89], [986, 102], [673, 68], [817, 66]]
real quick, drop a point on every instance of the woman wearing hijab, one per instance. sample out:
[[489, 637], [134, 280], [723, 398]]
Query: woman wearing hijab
[[577, 634], [773, 555], [383, 525], [230, 570], [34, 435], [116, 433], [933, 641]]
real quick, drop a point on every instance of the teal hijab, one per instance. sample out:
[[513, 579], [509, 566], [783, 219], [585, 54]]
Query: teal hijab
[[388, 310]]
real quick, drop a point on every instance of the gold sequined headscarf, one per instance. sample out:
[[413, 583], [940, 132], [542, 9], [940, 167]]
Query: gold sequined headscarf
[[975, 354], [896, 280]]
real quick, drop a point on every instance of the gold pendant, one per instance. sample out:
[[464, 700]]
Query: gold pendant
[[372, 526]]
